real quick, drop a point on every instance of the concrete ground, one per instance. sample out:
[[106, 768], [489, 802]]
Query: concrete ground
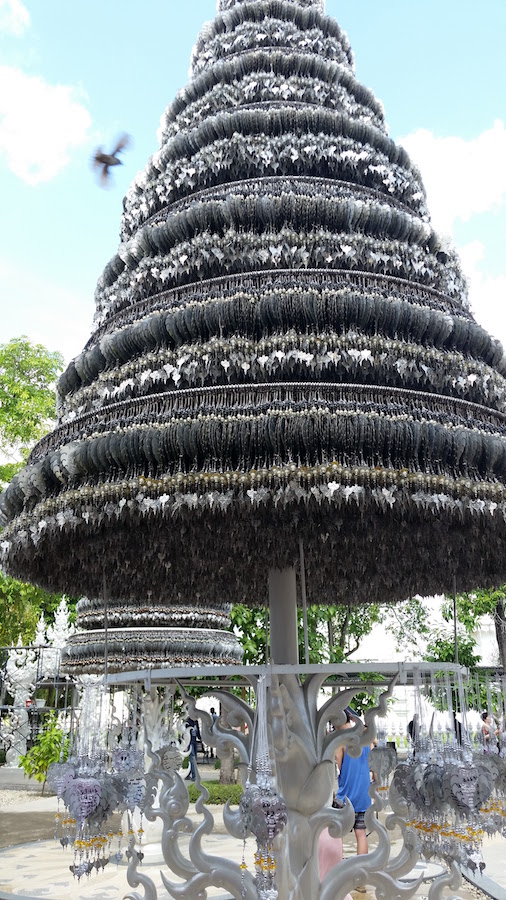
[[33, 865]]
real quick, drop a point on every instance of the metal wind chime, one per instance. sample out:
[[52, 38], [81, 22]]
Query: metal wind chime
[[454, 781], [103, 775], [262, 809]]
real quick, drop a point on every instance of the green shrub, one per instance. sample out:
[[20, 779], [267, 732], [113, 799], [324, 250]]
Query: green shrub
[[47, 749], [218, 793]]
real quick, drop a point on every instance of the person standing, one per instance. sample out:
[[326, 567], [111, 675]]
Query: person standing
[[193, 725], [215, 716], [489, 733], [330, 853], [353, 783]]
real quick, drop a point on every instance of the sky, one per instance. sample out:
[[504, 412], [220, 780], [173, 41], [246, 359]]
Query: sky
[[75, 75]]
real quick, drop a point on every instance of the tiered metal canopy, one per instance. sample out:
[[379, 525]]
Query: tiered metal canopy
[[282, 349]]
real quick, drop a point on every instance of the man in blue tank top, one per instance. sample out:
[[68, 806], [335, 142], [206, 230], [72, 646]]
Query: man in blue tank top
[[354, 781]]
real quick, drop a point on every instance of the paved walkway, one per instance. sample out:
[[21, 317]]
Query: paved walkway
[[33, 865]]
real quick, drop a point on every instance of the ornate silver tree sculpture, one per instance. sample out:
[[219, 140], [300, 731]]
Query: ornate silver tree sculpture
[[282, 351]]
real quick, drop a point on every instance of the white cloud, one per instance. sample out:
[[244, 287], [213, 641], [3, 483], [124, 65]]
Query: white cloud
[[462, 178], [14, 17], [487, 293], [39, 124]]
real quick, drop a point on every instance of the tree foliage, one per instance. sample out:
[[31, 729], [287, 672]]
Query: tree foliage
[[410, 625], [249, 625], [441, 648], [470, 609], [20, 608], [50, 746], [407, 622], [28, 373], [334, 632]]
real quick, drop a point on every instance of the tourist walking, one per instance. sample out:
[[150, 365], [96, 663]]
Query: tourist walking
[[193, 725], [353, 783]]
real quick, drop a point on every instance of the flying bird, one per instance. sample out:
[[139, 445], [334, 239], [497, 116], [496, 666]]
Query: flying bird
[[105, 161]]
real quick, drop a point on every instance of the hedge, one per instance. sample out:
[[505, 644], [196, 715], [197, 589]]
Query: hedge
[[218, 793]]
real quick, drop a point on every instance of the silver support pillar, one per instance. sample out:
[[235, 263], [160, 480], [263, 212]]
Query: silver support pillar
[[283, 616]]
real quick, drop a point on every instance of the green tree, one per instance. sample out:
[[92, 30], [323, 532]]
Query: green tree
[[28, 374], [407, 622], [441, 648], [334, 632], [249, 625], [50, 746], [20, 608], [346, 626], [472, 606]]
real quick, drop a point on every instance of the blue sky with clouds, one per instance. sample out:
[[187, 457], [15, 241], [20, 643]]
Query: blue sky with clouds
[[76, 74]]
